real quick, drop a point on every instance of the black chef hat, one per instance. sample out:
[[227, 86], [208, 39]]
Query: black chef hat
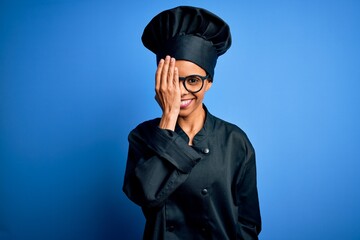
[[188, 33]]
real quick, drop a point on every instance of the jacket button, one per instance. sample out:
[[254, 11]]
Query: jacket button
[[204, 191], [206, 150]]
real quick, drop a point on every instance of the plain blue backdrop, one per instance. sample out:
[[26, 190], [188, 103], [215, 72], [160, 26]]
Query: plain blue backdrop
[[75, 79]]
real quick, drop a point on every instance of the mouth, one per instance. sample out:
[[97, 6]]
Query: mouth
[[185, 103]]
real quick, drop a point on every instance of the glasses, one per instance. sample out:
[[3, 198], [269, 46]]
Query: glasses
[[194, 83]]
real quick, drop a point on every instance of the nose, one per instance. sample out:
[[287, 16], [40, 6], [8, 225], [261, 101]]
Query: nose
[[182, 88]]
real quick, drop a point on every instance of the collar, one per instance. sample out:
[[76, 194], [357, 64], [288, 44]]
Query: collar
[[203, 133]]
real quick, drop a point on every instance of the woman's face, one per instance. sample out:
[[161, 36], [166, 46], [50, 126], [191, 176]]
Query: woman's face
[[191, 103]]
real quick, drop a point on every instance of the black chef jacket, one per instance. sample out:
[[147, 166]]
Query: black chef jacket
[[204, 191]]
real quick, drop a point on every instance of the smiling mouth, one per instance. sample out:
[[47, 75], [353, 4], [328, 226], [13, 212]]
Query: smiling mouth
[[185, 103]]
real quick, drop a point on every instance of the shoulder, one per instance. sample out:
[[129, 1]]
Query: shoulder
[[230, 132], [226, 126], [147, 124], [145, 128]]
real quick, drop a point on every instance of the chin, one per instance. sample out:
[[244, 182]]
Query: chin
[[185, 112]]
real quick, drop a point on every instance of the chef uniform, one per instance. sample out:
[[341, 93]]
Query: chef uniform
[[207, 190]]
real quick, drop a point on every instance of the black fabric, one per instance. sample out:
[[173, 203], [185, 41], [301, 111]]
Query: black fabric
[[188, 33], [205, 191]]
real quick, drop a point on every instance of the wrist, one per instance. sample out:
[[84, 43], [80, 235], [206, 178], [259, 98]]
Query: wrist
[[168, 121]]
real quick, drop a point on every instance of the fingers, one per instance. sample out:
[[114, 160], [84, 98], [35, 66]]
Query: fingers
[[170, 72], [165, 77], [167, 72], [158, 75], [176, 78], [164, 72], [167, 86]]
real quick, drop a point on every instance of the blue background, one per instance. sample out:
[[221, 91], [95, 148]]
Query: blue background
[[75, 79]]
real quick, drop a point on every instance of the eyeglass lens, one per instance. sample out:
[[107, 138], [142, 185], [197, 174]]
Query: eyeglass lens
[[193, 83]]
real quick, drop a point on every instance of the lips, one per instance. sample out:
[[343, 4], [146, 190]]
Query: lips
[[185, 103]]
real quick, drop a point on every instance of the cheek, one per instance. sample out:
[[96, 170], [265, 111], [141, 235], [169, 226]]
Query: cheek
[[200, 95]]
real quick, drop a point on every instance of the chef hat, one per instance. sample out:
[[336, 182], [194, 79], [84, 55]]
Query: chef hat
[[188, 33]]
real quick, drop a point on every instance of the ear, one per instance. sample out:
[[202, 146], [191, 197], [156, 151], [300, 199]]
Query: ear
[[208, 85]]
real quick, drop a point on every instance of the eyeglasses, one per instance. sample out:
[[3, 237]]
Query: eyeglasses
[[194, 83]]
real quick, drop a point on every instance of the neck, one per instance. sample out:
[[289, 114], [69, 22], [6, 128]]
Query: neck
[[192, 124]]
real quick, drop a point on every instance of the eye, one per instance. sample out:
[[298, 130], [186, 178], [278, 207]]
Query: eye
[[193, 80]]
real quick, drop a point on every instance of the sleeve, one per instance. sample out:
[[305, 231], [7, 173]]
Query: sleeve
[[158, 162], [249, 218]]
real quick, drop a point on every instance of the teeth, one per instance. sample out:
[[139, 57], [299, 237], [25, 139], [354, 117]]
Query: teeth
[[185, 102]]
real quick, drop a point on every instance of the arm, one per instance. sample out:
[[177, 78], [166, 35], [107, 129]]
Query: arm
[[159, 161], [247, 199]]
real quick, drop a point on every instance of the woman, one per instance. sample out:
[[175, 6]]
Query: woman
[[193, 174]]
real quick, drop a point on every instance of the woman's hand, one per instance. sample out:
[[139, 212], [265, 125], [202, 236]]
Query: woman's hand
[[168, 93]]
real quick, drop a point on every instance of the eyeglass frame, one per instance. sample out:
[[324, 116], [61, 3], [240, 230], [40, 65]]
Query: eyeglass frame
[[203, 78]]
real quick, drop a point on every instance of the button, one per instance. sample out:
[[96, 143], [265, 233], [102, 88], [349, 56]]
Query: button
[[204, 191], [171, 228], [205, 229], [206, 150]]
